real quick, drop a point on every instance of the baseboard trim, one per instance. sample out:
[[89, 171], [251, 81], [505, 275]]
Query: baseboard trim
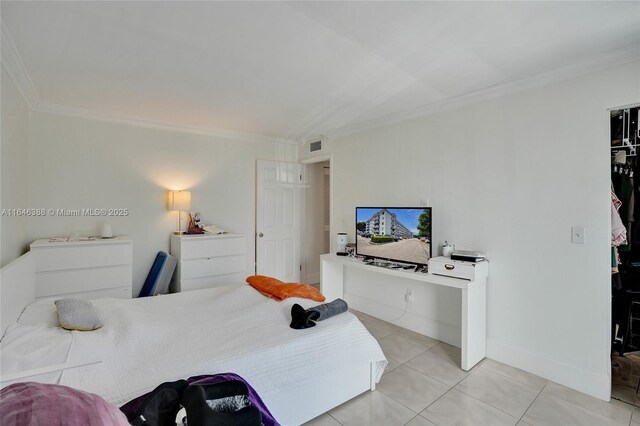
[[441, 331], [594, 384]]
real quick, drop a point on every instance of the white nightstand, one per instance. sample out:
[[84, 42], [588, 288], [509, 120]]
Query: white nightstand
[[208, 261], [83, 269]]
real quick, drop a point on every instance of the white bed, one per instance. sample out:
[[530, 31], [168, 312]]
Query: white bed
[[298, 373]]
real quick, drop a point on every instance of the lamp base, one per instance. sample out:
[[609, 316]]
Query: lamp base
[[179, 232]]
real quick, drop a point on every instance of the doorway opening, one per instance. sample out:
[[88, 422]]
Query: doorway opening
[[625, 254], [317, 218]]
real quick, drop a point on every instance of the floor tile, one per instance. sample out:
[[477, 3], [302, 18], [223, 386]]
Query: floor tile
[[635, 417], [514, 373], [451, 350], [623, 393], [372, 408], [401, 348], [393, 364], [376, 321], [552, 411], [411, 389], [323, 420], [499, 391], [419, 421], [439, 364], [615, 409], [521, 423], [456, 408], [376, 331], [417, 337]]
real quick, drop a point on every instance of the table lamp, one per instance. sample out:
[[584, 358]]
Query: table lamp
[[179, 200]]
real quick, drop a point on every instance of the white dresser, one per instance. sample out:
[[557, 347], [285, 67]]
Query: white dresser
[[208, 261], [83, 269]]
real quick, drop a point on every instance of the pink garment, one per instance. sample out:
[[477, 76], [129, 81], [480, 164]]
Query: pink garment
[[39, 404], [618, 231]]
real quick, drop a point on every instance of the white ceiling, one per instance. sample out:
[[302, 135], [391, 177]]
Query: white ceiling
[[297, 70]]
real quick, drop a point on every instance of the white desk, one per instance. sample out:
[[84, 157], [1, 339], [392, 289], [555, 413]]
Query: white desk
[[473, 343]]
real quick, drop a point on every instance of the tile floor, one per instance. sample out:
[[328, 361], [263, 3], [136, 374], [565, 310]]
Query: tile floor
[[625, 381], [424, 385]]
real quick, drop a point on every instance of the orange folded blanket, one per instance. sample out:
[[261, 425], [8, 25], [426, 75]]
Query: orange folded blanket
[[279, 290]]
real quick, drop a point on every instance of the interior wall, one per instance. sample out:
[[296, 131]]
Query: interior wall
[[78, 163], [508, 176], [14, 151]]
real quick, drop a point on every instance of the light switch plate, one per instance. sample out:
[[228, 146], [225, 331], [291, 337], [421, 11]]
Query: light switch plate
[[577, 234]]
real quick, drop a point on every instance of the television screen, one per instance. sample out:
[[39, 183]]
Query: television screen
[[392, 233]]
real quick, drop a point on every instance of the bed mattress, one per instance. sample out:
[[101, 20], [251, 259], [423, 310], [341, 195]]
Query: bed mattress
[[147, 341]]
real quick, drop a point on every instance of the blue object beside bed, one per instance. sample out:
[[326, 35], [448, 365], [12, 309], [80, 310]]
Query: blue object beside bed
[[159, 277]]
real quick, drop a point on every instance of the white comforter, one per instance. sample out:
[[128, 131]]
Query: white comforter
[[145, 342]]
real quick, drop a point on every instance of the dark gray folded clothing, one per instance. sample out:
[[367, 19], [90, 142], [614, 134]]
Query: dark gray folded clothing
[[305, 318], [328, 310]]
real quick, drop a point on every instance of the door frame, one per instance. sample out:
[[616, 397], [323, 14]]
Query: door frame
[[321, 159], [610, 308]]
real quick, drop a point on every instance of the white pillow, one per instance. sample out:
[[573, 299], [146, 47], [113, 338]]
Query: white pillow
[[40, 312], [77, 314]]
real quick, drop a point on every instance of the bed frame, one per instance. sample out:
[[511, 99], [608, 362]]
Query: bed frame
[[17, 289], [291, 407]]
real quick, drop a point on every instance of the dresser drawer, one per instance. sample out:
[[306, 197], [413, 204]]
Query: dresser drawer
[[195, 268], [51, 283], [447, 267], [195, 248], [117, 293], [61, 258], [208, 282]]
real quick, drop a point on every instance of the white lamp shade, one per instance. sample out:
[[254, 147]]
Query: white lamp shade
[[178, 200]]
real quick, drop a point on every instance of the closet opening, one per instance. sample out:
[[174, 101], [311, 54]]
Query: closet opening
[[625, 254], [317, 218]]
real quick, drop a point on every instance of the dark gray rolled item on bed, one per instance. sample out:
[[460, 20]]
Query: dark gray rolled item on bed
[[306, 318], [328, 310]]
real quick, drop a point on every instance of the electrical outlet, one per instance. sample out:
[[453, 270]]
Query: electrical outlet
[[577, 234], [408, 296]]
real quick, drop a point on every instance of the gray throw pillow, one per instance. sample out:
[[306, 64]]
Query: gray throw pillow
[[76, 314]]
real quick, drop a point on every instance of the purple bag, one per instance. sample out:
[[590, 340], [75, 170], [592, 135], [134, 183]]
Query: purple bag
[[131, 407]]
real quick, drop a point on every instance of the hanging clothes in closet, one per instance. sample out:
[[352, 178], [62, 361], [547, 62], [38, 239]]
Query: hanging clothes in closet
[[625, 231]]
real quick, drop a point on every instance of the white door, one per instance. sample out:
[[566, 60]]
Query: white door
[[278, 217]]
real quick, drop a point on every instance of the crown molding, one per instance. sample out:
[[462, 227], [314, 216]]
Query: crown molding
[[615, 58], [12, 63], [52, 108]]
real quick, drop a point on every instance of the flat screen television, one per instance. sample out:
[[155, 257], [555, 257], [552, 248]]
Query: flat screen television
[[398, 234]]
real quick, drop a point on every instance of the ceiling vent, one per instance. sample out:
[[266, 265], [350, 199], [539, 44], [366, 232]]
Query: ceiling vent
[[315, 146]]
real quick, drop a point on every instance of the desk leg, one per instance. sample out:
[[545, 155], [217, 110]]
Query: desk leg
[[474, 325], [331, 279]]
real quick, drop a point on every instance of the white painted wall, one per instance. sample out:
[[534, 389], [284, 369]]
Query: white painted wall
[[14, 143], [508, 176], [80, 163]]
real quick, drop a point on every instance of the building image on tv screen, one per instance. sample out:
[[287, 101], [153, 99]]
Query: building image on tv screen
[[400, 234]]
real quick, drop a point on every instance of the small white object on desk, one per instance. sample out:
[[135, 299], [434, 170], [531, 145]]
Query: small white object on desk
[[106, 231]]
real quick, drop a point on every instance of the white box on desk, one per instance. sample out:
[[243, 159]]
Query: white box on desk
[[472, 271]]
